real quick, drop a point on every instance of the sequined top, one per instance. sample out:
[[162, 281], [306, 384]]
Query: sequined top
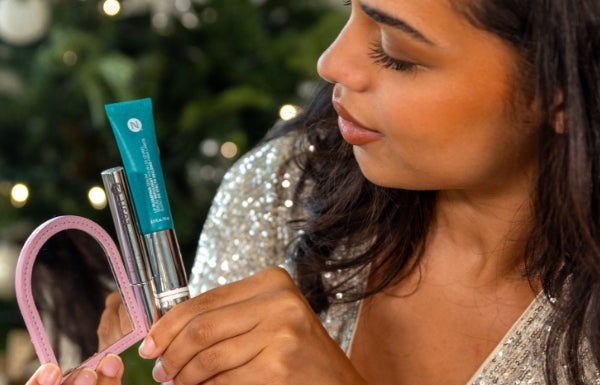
[[246, 230]]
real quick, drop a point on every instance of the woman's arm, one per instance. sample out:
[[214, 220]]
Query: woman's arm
[[247, 226]]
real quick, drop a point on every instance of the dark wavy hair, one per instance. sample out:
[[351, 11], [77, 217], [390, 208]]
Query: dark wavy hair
[[71, 279], [559, 42]]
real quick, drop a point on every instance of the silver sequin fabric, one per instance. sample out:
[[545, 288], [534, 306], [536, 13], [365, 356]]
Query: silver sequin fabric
[[247, 230]]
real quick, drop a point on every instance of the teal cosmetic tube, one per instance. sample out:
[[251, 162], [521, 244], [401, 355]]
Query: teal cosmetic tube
[[132, 123]]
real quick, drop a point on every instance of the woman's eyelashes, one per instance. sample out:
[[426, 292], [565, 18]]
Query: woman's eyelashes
[[381, 58]]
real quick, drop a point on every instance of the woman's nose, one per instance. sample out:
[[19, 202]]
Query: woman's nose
[[346, 60]]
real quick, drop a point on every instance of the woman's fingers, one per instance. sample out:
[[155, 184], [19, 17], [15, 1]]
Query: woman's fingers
[[47, 374], [219, 330], [218, 358], [114, 321], [170, 325], [226, 338], [109, 372], [84, 376], [248, 374], [211, 338], [256, 331]]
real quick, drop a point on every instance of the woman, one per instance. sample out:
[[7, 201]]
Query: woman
[[446, 233]]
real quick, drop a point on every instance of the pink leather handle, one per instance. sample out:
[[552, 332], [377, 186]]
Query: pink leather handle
[[24, 293]]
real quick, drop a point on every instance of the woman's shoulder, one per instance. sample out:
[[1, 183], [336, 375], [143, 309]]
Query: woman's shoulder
[[247, 228], [270, 160], [521, 356]]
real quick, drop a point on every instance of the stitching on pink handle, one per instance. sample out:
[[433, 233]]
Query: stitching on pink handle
[[25, 296]]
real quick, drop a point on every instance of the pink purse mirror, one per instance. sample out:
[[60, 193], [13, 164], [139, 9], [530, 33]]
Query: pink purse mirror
[[72, 288]]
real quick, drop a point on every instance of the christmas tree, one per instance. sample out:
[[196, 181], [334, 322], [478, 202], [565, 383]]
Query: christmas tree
[[218, 71]]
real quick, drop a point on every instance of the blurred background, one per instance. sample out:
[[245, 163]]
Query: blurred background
[[220, 73]]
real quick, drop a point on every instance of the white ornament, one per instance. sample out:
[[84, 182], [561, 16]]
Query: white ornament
[[23, 22]]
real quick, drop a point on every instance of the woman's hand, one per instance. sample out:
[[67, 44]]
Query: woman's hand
[[114, 322], [259, 330], [109, 372]]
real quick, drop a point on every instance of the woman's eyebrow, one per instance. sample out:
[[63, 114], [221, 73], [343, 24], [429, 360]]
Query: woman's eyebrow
[[394, 22]]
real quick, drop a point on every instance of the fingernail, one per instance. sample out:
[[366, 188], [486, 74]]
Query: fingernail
[[110, 366], [48, 375], [147, 347], [86, 377], [158, 372]]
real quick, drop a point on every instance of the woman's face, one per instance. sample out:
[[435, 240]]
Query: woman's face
[[427, 100]]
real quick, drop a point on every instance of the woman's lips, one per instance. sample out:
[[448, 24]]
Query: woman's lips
[[352, 131]]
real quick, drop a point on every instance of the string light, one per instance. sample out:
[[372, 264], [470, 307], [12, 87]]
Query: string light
[[70, 58], [161, 12], [189, 20], [97, 197], [229, 150], [111, 7], [19, 194], [209, 147], [288, 112]]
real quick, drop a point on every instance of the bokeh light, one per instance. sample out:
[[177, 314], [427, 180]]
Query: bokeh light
[[97, 197], [209, 147], [19, 194], [229, 150], [111, 7], [288, 112]]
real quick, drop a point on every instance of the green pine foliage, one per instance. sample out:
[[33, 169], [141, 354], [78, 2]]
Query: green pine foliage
[[224, 80]]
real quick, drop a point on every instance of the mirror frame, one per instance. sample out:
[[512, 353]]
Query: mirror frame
[[24, 293]]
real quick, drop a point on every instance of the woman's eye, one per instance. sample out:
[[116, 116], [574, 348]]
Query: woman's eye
[[381, 58]]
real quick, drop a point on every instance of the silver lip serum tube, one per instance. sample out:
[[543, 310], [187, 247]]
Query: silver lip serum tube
[[133, 249], [170, 279]]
